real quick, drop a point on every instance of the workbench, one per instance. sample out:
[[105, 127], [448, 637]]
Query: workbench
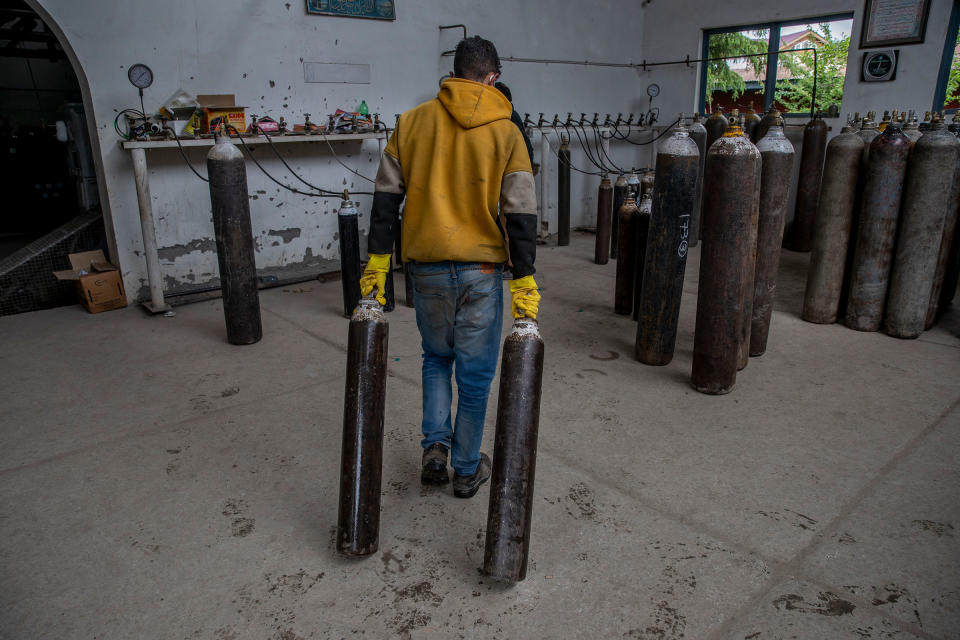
[[138, 149]]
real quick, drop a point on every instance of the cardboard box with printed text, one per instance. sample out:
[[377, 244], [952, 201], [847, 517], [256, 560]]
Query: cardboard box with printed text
[[98, 281]]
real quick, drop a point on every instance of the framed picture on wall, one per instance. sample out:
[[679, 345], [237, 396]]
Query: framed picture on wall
[[889, 22], [376, 9]]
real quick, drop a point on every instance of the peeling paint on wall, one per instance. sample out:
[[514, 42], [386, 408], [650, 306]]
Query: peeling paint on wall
[[287, 235], [175, 251]]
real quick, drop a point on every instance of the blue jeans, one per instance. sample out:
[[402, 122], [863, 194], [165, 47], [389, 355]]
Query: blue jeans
[[459, 313]]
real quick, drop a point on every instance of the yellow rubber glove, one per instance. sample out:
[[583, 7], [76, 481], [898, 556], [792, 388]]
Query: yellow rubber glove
[[375, 275], [525, 298]]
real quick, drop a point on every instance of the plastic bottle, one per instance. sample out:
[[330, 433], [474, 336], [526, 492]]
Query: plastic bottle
[[362, 109]]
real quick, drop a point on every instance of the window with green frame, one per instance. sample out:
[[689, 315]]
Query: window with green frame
[[946, 97], [768, 71]]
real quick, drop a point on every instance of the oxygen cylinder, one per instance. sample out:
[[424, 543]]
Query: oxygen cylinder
[[715, 125], [776, 167], [808, 187], [952, 274], [768, 119], [509, 515], [627, 255], [946, 247], [563, 193], [912, 130], [885, 122], [954, 126], [619, 195], [746, 326], [868, 133], [235, 255], [832, 228], [604, 212], [646, 182], [641, 228], [925, 125], [361, 455], [750, 122], [347, 219], [698, 133], [633, 186], [926, 198], [674, 194], [730, 209], [882, 191]]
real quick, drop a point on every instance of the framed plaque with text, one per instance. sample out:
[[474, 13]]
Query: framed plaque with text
[[889, 22], [376, 9]]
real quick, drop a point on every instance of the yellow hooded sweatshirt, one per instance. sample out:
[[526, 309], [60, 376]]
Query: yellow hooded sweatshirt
[[458, 159]]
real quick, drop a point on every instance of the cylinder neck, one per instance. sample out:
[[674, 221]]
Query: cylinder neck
[[526, 326], [734, 130]]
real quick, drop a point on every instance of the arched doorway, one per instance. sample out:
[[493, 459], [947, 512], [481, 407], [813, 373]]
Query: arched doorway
[[52, 200]]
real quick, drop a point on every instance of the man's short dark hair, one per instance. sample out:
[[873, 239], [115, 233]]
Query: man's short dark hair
[[475, 58], [505, 90]]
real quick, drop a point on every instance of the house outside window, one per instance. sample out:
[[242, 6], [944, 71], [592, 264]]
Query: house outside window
[[767, 75]]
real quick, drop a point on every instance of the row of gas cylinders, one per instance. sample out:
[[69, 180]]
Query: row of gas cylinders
[[881, 227], [885, 252], [718, 191]]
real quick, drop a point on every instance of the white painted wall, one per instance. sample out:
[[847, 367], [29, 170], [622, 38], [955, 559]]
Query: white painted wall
[[255, 49], [673, 30]]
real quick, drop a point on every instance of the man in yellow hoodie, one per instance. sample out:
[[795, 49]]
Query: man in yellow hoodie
[[463, 168]]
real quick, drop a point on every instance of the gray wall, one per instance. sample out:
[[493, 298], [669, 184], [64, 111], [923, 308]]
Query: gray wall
[[668, 37], [255, 49]]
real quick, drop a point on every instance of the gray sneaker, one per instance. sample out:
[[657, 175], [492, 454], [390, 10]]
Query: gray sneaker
[[467, 486], [434, 465]]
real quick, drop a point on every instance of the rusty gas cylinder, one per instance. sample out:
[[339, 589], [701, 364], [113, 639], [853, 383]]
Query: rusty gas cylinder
[[510, 512], [730, 209], [698, 133], [776, 167], [626, 258], [750, 122], [234, 235], [563, 194], [604, 212], [641, 230], [715, 125], [946, 250], [808, 187], [927, 195], [678, 164], [879, 210], [619, 195], [833, 228], [361, 455], [768, 119], [347, 221]]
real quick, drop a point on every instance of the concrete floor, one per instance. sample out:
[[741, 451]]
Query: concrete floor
[[156, 482]]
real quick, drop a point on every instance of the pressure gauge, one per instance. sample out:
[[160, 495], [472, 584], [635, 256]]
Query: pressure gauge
[[653, 90], [140, 76], [879, 66]]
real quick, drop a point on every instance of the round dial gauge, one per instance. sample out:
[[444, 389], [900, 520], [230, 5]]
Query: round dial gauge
[[879, 65], [653, 90], [140, 76]]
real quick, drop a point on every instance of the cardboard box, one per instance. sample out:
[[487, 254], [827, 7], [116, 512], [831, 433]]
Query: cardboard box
[[219, 107], [99, 282]]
